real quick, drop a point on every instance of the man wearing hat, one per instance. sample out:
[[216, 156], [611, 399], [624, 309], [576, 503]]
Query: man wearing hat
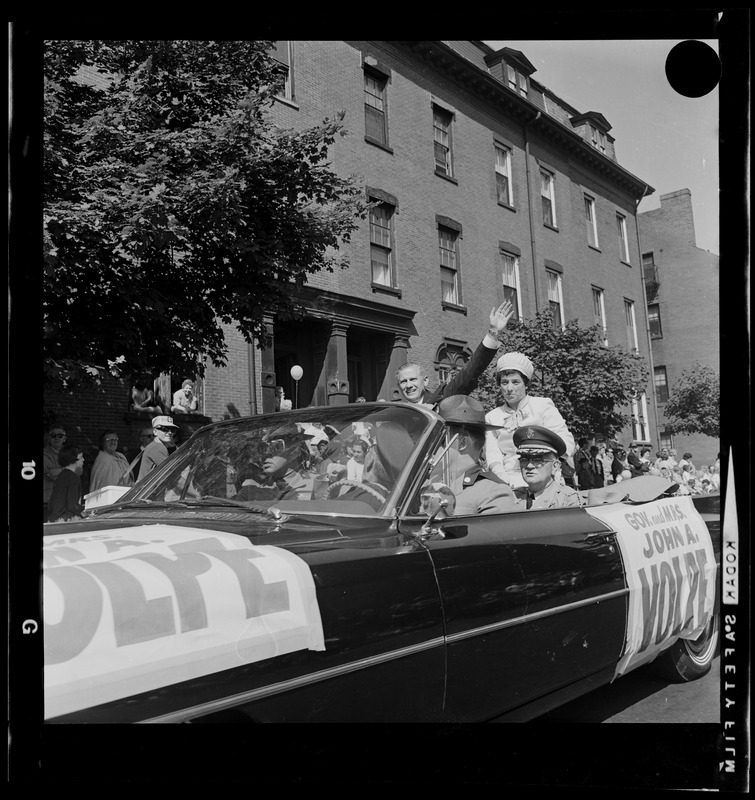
[[282, 473], [164, 431], [513, 374], [539, 450], [413, 381], [635, 463], [476, 491]]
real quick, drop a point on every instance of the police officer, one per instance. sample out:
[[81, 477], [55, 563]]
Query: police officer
[[539, 451], [476, 491]]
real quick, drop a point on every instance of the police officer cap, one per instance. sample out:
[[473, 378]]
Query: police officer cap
[[536, 439]]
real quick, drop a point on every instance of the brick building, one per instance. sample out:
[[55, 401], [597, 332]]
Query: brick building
[[682, 283], [489, 186]]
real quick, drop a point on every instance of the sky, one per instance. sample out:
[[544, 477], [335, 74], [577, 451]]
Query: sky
[[667, 140]]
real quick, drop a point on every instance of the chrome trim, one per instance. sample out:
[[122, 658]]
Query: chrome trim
[[186, 714], [495, 626]]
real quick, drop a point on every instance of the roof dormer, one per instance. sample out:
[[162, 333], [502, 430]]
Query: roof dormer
[[512, 68], [593, 127]]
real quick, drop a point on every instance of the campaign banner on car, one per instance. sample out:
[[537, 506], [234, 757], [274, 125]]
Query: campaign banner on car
[[671, 574], [131, 610]]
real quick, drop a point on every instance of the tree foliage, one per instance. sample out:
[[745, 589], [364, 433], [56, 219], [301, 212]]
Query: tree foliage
[[172, 204], [588, 382], [693, 405]]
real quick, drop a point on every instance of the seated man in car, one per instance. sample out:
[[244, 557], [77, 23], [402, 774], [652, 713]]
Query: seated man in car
[[283, 473], [539, 451], [475, 490]]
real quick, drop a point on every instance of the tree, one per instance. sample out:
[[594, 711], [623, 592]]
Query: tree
[[694, 403], [173, 205], [588, 382]]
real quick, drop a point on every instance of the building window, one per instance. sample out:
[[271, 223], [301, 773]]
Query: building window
[[640, 427], [450, 358], [448, 241], [667, 441], [598, 139], [591, 221], [548, 196], [283, 53], [621, 229], [599, 311], [654, 321], [661, 384], [648, 260], [510, 273], [555, 299], [375, 118], [631, 327], [442, 120], [381, 245], [516, 80], [503, 175]]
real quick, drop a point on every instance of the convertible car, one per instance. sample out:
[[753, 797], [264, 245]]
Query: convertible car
[[270, 571]]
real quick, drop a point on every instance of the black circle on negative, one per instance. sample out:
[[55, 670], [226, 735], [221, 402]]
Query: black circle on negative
[[693, 68]]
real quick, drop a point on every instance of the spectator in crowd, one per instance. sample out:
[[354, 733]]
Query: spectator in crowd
[[715, 476], [636, 466], [663, 460], [142, 396], [620, 466], [111, 468], [584, 476], [597, 468], [184, 399], [645, 457], [355, 465], [672, 458], [65, 500], [413, 380], [164, 431], [605, 456], [539, 450], [55, 439], [686, 459], [513, 374], [470, 489], [146, 436]]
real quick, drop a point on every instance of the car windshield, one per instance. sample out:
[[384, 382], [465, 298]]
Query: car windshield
[[339, 459]]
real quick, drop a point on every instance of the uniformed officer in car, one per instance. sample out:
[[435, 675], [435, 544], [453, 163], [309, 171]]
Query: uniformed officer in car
[[539, 451], [476, 491], [283, 473]]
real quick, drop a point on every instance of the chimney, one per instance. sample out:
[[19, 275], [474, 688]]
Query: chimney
[[676, 208]]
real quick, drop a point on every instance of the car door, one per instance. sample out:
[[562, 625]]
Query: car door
[[534, 602]]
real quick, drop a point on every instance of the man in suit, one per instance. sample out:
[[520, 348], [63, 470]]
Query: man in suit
[[413, 381], [635, 464]]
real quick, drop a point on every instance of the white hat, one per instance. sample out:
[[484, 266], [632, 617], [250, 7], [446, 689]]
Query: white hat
[[163, 422], [517, 361]]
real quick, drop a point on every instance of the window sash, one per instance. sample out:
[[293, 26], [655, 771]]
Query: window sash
[[590, 221], [654, 321], [640, 427], [510, 278], [381, 254], [380, 261], [622, 232], [546, 192], [374, 108], [599, 311], [449, 283], [442, 140], [503, 174], [630, 325], [660, 379], [555, 299]]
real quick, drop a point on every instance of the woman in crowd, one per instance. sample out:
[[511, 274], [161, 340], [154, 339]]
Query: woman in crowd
[[142, 396], [55, 439], [513, 374], [184, 400], [110, 466], [65, 500]]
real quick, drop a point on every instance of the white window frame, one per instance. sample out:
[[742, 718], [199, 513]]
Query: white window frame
[[598, 139], [662, 371], [510, 267], [556, 294], [659, 334], [631, 324], [288, 88], [599, 311], [621, 222], [548, 192], [503, 168], [591, 221], [375, 86], [443, 138], [449, 263], [378, 234]]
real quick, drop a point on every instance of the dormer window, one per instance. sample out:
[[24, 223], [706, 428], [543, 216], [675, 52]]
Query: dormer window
[[598, 138], [517, 81]]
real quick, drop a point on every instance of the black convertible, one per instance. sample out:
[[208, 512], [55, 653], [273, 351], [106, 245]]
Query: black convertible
[[225, 587]]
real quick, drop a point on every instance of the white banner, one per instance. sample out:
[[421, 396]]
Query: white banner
[[131, 610], [671, 574]]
